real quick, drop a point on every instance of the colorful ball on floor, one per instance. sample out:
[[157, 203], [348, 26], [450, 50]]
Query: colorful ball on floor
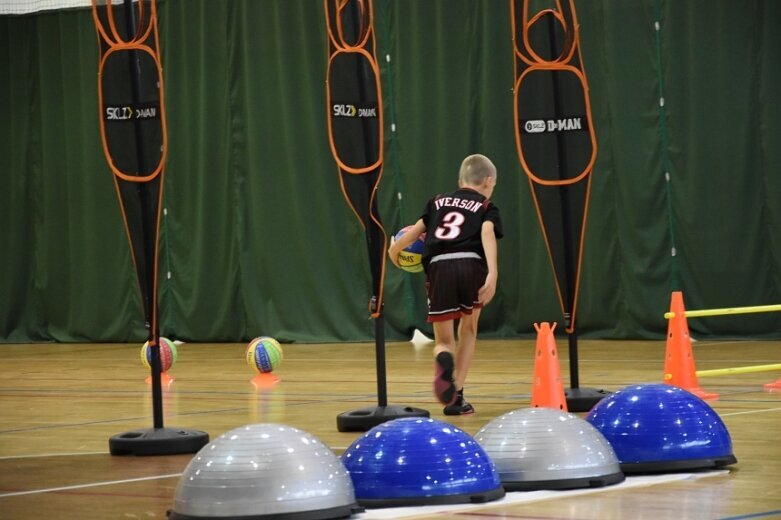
[[264, 354], [418, 461], [661, 428], [411, 258], [168, 354]]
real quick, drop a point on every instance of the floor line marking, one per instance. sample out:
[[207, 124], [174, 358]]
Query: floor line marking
[[82, 486], [72, 454], [751, 411]]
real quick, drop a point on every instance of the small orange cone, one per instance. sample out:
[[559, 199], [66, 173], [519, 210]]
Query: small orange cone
[[547, 387], [264, 380], [679, 367], [775, 386], [165, 380]]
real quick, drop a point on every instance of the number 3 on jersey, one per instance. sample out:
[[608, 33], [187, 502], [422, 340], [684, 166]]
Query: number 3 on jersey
[[450, 226]]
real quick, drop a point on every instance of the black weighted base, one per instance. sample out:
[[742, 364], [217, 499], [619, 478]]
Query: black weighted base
[[331, 513], [583, 399], [670, 466], [365, 419], [572, 483], [158, 441], [465, 498]]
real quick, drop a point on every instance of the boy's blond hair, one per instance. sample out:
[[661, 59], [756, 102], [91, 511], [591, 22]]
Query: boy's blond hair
[[475, 169]]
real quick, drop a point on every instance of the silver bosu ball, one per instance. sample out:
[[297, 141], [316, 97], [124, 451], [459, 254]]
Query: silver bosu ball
[[544, 448], [265, 471]]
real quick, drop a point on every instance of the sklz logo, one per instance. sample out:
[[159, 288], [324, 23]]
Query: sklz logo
[[343, 110], [118, 113], [534, 126], [125, 113], [538, 126]]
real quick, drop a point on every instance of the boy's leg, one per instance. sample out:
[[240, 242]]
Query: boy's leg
[[467, 339], [444, 364]]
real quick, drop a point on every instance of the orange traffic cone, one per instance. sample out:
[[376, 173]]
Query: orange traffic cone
[[547, 387], [679, 367]]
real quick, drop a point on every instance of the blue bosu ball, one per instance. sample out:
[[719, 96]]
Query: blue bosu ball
[[656, 428], [419, 461]]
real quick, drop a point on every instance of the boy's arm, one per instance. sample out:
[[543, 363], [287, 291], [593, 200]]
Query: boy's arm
[[405, 240], [488, 238]]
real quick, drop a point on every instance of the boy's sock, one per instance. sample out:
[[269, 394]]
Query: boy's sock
[[444, 387]]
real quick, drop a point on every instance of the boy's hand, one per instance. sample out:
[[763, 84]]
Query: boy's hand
[[488, 238], [393, 255], [397, 246], [488, 290]]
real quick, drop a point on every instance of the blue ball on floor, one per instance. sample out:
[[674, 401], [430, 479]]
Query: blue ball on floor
[[657, 428], [420, 461]]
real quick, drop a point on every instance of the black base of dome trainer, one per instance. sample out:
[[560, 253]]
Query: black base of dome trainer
[[583, 399], [158, 441], [431, 500], [367, 418], [332, 513], [671, 466], [565, 484]]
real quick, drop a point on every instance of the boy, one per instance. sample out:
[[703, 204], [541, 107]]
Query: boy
[[460, 261]]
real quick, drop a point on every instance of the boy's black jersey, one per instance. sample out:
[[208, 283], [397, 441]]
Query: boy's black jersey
[[454, 222]]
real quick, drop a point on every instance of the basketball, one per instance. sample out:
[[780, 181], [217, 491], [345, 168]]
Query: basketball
[[264, 354], [167, 354], [411, 258]]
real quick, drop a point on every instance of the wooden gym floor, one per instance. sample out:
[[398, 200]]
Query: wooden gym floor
[[62, 402]]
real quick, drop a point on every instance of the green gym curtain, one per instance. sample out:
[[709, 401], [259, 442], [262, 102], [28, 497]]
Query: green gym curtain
[[256, 238]]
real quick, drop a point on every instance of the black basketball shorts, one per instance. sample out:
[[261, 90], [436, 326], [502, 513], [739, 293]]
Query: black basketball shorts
[[452, 285]]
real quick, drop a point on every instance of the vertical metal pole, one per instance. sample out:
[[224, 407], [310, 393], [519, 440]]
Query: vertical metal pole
[[150, 256], [569, 257], [365, 74], [379, 342]]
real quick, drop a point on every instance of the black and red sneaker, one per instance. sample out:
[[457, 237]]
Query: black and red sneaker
[[444, 387], [460, 406]]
